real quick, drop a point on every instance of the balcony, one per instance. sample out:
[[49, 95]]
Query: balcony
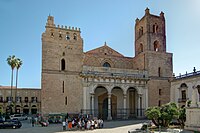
[[108, 72], [181, 100]]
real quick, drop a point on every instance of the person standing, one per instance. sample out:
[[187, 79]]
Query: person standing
[[64, 125], [33, 121]]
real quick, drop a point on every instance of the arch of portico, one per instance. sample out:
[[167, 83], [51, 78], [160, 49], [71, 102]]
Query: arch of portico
[[114, 101]]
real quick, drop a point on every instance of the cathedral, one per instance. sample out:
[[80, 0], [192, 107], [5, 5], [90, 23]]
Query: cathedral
[[102, 82]]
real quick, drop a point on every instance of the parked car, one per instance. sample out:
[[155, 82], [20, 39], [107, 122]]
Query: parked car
[[18, 117], [10, 124]]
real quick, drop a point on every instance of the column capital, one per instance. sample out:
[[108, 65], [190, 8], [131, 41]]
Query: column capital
[[92, 94], [139, 95], [109, 95], [125, 95]]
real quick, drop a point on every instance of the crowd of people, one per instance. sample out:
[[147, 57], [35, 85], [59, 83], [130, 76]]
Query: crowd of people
[[82, 124]]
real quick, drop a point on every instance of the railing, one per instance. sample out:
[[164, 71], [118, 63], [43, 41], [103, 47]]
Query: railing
[[114, 72], [119, 113], [188, 75], [19, 101], [180, 100]]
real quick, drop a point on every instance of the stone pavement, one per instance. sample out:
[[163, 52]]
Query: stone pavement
[[109, 127]]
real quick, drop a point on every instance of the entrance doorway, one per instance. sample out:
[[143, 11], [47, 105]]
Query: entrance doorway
[[103, 106]]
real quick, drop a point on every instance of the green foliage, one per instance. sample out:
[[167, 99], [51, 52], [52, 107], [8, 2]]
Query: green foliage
[[162, 116], [12, 62]]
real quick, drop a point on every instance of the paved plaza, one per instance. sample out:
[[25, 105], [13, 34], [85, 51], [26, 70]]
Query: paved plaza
[[109, 127]]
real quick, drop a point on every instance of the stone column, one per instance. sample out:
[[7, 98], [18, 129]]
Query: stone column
[[109, 107], [84, 98], [146, 96], [139, 105], [125, 111], [125, 101], [92, 96]]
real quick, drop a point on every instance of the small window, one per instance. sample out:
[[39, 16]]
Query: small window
[[75, 36], [155, 28], [141, 47], [183, 93], [159, 72], [156, 46], [159, 91], [52, 34], [18, 99], [159, 103], [63, 86], [9, 99], [66, 100], [141, 31], [26, 99], [67, 36], [60, 35], [63, 64], [106, 64]]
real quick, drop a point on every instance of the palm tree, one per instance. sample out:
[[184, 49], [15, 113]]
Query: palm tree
[[11, 60], [18, 65]]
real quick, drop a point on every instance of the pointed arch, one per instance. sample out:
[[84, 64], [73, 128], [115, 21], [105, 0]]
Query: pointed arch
[[156, 45]]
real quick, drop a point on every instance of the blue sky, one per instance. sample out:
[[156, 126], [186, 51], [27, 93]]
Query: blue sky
[[23, 21]]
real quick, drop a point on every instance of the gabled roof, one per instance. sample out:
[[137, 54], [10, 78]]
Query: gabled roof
[[105, 50]]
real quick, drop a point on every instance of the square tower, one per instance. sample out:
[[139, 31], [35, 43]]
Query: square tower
[[151, 55], [62, 55]]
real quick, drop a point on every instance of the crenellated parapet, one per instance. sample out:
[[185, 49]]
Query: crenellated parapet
[[61, 32]]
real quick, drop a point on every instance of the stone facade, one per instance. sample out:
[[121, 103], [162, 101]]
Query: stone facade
[[185, 88], [25, 100], [182, 88], [103, 82]]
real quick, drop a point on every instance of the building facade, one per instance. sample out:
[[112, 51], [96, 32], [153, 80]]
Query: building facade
[[23, 100], [103, 82], [182, 88], [185, 89]]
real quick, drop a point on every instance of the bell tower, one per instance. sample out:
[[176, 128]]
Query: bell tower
[[150, 33], [151, 55], [62, 55]]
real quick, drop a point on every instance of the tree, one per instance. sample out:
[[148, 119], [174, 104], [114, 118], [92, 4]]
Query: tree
[[18, 65], [162, 116], [153, 113], [11, 60]]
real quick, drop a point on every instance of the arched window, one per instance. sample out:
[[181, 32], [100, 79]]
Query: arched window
[[156, 46], [106, 64], [63, 64], [60, 35], [141, 47], [75, 36], [155, 28], [52, 34], [141, 31], [67, 36], [183, 85]]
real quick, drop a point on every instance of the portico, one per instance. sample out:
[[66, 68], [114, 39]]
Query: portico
[[112, 93]]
